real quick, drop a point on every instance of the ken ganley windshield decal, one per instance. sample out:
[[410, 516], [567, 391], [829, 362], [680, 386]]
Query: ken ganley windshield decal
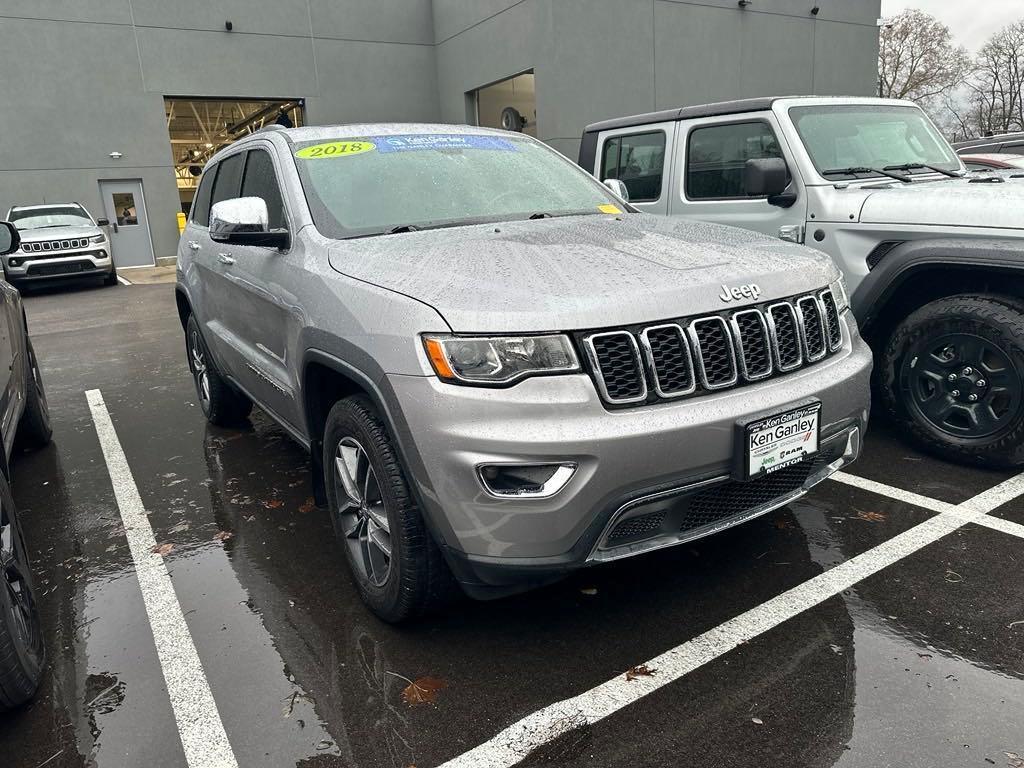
[[404, 143]]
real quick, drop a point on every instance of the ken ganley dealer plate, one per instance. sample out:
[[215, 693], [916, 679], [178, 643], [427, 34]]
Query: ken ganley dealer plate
[[782, 440]]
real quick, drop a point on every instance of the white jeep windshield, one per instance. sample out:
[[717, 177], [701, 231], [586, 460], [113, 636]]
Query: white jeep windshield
[[376, 184], [844, 141], [54, 216]]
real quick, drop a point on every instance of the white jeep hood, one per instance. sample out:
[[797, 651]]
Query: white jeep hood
[[951, 203]]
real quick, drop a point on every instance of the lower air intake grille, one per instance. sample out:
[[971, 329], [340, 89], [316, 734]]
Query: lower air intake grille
[[643, 526]]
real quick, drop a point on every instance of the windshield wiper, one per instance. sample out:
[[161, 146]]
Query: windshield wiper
[[541, 215], [864, 169], [919, 166], [403, 228]]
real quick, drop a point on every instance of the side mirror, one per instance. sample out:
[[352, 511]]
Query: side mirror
[[768, 177], [102, 222], [10, 239], [245, 221], [618, 188]]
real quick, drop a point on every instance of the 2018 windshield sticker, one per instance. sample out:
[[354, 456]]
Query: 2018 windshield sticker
[[418, 142], [335, 149]]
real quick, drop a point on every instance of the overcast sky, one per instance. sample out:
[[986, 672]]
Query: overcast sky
[[971, 22]]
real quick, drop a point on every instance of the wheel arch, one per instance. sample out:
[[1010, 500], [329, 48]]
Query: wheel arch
[[916, 273], [184, 305]]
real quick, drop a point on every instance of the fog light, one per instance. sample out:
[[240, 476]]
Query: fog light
[[534, 481], [103, 254], [14, 262]]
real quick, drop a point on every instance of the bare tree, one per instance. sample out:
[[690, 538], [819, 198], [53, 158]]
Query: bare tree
[[997, 85], [917, 58]]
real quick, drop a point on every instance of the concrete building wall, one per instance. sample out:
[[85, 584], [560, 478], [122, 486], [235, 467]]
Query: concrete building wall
[[88, 78], [596, 59]]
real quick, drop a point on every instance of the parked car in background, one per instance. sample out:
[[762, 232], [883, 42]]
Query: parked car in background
[[58, 242], [935, 257], [993, 162], [1002, 143], [502, 372], [25, 420]]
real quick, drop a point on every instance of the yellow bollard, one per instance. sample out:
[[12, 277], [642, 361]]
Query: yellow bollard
[[181, 222]]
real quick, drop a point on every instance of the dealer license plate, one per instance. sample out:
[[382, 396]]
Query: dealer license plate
[[781, 440]]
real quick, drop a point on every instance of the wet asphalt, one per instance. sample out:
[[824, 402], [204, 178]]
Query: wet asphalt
[[921, 664]]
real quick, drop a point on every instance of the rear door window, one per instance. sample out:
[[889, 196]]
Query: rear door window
[[638, 161], [201, 205], [716, 156]]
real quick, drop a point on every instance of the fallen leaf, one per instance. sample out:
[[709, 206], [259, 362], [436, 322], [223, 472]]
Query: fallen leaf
[[222, 535], [953, 577], [924, 655], [641, 670], [782, 524], [308, 506], [589, 590], [1013, 760], [423, 690], [273, 504], [757, 721], [871, 517], [162, 549]]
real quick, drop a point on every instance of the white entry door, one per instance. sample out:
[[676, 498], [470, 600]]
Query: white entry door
[[130, 242]]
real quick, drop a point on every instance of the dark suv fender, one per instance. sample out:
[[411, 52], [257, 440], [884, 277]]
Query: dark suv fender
[[914, 273]]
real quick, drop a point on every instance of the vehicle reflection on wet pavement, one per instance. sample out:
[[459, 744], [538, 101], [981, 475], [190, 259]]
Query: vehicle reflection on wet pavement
[[918, 665]]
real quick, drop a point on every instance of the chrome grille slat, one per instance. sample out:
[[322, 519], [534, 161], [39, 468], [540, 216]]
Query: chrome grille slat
[[713, 352], [55, 245]]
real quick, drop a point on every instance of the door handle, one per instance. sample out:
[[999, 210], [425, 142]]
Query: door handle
[[225, 258], [194, 245]]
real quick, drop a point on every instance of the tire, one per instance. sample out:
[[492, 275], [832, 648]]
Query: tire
[[413, 578], [222, 404], [944, 354], [22, 653], [34, 430], [111, 279]]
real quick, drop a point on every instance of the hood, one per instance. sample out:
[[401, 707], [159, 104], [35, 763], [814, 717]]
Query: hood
[[580, 272], [950, 203], [58, 233]]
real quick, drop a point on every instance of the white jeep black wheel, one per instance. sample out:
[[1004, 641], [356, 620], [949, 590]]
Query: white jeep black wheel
[[397, 566], [953, 376]]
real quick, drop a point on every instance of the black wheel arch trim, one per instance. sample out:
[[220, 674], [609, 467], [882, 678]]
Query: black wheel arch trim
[[914, 256], [383, 398]]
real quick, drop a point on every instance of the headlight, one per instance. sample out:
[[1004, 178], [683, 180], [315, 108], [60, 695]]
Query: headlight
[[838, 289], [98, 239], [499, 359]]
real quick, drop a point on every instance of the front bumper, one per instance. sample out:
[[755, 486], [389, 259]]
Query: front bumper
[[30, 267], [621, 456]]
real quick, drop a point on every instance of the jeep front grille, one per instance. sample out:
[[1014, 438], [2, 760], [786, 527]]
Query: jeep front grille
[[698, 355], [56, 245]]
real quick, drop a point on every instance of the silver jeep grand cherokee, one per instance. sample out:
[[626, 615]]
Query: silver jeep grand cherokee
[[502, 371]]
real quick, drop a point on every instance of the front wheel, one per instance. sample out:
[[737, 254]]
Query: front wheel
[[952, 375], [397, 567], [111, 279], [21, 638]]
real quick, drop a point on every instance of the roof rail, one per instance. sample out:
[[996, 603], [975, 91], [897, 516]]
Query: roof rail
[[271, 127]]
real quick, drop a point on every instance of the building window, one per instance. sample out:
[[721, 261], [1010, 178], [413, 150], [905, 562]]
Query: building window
[[717, 155], [638, 161]]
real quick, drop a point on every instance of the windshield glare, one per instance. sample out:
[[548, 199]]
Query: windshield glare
[[38, 218], [373, 184], [872, 136]]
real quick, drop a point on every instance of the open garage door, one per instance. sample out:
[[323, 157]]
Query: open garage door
[[198, 127]]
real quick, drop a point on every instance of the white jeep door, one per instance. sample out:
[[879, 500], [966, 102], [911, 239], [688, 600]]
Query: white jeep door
[[710, 156], [636, 156]]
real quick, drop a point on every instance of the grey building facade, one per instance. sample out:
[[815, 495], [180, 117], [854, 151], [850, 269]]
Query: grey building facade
[[87, 82]]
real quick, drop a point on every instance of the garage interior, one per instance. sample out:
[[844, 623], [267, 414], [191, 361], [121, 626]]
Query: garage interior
[[199, 127], [509, 104]]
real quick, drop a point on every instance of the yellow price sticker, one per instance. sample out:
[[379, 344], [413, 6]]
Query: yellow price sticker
[[336, 149], [608, 208]]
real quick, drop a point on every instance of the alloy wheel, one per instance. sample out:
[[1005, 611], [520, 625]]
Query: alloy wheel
[[14, 579], [361, 511], [963, 385], [199, 369]]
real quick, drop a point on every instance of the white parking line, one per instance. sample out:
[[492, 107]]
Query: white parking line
[[122, 280], [517, 741], [202, 733]]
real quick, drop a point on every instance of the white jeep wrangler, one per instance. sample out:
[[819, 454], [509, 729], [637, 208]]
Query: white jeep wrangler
[[934, 257]]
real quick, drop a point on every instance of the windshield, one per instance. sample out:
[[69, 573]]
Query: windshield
[[57, 216], [374, 184], [871, 136]]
